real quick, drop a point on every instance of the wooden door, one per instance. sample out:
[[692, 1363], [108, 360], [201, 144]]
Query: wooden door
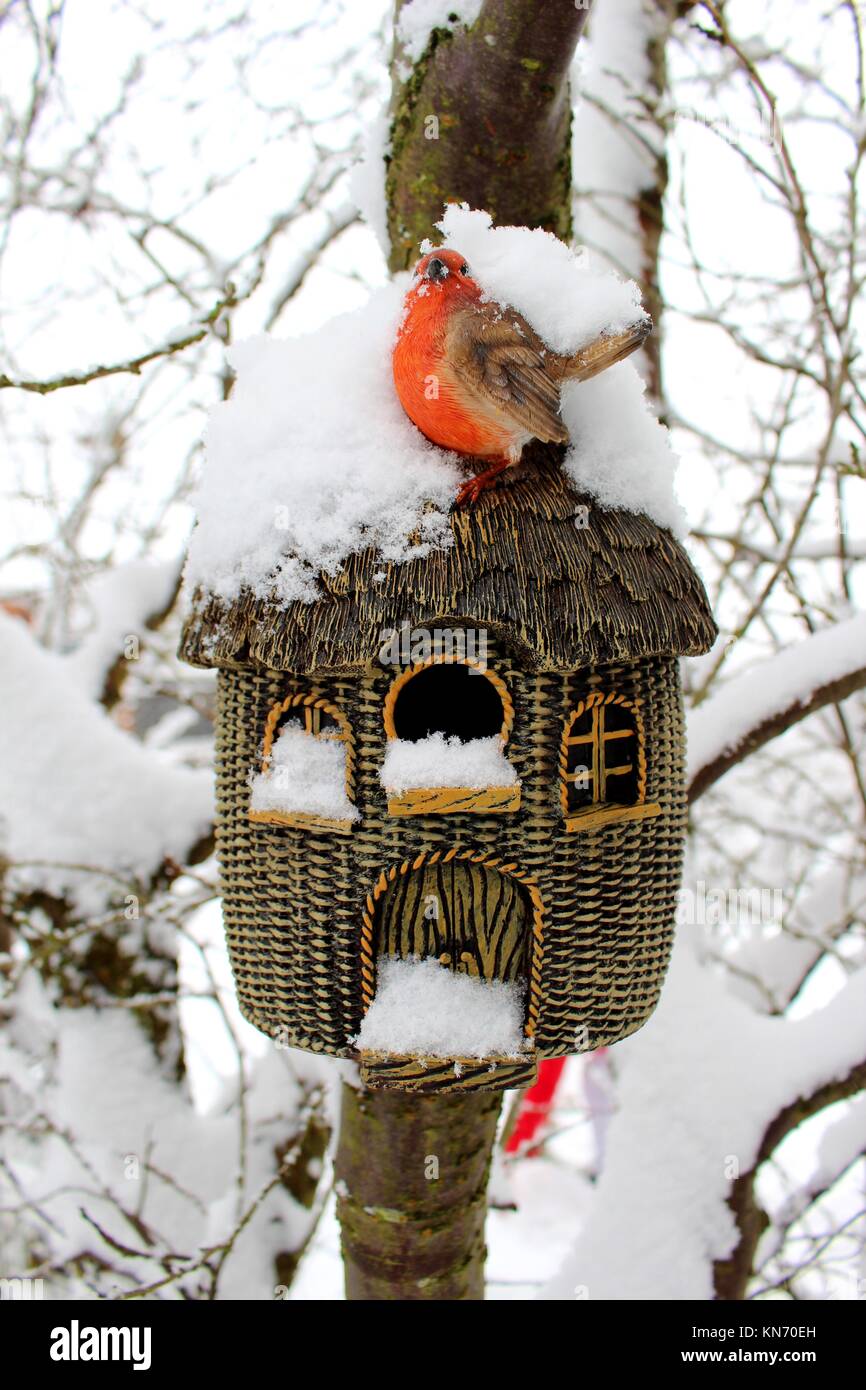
[[472, 919]]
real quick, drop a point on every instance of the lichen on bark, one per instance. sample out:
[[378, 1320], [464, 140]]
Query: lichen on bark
[[411, 1180], [484, 117]]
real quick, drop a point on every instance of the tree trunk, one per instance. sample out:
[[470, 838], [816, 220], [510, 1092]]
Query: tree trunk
[[412, 1193], [484, 117]]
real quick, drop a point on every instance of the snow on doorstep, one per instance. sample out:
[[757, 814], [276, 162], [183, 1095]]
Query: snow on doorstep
[[437, 761], [306, 773], [790, 677], [421, 1007], [565, 299], [419, 18], [312, 458]]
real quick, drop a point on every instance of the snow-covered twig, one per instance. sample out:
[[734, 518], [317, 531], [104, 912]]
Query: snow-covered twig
[[765, 701]]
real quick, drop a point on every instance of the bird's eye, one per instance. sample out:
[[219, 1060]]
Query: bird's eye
[[464, 269]]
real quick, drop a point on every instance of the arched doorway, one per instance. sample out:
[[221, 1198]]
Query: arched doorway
[[468, 911]]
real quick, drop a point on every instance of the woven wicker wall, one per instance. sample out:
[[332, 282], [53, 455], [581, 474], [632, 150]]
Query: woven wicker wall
[[294, 898]]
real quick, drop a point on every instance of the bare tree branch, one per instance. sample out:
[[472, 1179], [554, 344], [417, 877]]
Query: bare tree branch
[[732, 1274], [134, 364], [831, 693]]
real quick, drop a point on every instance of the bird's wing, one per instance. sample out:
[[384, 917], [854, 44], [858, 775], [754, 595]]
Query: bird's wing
[[499, 359]]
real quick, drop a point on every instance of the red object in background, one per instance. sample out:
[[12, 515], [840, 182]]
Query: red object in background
[[535, 1106]]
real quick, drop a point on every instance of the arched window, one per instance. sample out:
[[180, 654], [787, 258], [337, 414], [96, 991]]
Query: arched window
[[448, 721], [603, 763], [307, 713], [452, 696], [307, 769]]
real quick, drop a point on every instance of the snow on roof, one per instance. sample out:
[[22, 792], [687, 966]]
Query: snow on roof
[[421, 1007], [581, 585], [312, 459]]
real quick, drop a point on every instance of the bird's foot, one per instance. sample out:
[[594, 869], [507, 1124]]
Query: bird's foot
[[472, 489]]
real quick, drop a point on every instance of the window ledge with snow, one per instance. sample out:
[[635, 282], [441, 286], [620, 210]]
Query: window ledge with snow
[[591, 816], [440, 776], [303, 783]]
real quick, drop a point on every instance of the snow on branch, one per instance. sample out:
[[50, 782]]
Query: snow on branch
[[771, 968], [768, 699], [119, 602], [732, 1274], [83, 803], [707, 1091]]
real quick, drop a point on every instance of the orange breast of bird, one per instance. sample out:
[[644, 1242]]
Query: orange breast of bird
[[430, 392]]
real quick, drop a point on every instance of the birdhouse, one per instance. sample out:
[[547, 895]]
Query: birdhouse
[[450, 804]]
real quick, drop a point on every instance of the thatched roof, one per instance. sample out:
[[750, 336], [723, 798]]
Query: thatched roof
[[562, 595]]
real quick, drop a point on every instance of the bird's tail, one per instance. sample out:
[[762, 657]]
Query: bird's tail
[[604, 351]]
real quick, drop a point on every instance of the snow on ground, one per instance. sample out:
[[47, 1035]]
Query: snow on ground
[[419, 18], [77, 791], [437, 761], [697, 1086], [552, 1201], [421, 1007], [788, 678], [312, 457], [305, 773]]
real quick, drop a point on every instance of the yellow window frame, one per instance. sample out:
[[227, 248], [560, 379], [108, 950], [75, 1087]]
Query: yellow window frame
[[597, 771]]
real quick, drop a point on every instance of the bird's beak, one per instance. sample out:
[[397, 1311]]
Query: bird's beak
[[436, 270]]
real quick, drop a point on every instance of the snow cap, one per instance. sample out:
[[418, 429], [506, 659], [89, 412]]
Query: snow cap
[[565, 582]]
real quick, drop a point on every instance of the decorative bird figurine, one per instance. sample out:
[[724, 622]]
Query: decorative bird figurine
[[476, 378]]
